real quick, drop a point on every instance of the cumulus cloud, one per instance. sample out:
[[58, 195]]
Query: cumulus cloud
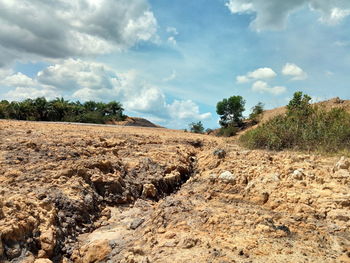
[[294, 71], [64, 28], [263, 87], [83, 80], [273, 14], [17, 80], [260, 73], [75, 73], [186, 110], [21, 93]]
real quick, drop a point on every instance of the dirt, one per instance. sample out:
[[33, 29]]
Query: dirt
[[73, 193], [136, 122]]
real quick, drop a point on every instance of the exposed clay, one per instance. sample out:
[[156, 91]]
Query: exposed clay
[[116, 194]]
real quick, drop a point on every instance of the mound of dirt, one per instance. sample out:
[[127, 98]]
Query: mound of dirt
[[137, 122], [73, 193]]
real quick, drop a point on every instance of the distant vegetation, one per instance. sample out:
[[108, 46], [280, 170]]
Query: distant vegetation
[[196, 127], [59, 109], [230, 111], [257, 112], [303, 127]]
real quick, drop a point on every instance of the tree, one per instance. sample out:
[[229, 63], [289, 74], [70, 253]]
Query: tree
[[42, 109], [60, 108], [299, 106], [257, 110], [196, 127], [230, 111]]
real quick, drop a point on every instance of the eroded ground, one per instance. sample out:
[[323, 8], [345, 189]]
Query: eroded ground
[[115, 194]]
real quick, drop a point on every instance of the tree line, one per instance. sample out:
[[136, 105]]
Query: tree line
[[59, 109]]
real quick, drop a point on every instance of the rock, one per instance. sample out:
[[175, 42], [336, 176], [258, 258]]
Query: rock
[[48, 241], [298, 174], [189, 242], [339, 214], [341, 174], [1, 248], [220, 153], [213, 177], [13, 252], [260, 198], [227, 177], [28, 259], [149, 190], [173, 178], [136, 223], [343, 163], [43, 260], [93, 252]]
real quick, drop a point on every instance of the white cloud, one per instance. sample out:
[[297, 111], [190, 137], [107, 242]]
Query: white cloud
[[242, 79], [329, 73], [263, 87], [17, 80], [186, 110], [172, 41], [260, 73], [21, 93], [273, 14], [335, 16], [294, 71], [172, 30], [171, 77], [75, 73], [64, 28]]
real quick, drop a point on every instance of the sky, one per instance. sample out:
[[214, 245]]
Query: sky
[[172, 61]]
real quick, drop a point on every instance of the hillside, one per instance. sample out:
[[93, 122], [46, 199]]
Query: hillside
[[136, 122], [73, 193], [328, 104]]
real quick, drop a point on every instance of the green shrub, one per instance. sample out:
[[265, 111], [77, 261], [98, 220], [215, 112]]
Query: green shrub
[[311, 128], [228, 131]]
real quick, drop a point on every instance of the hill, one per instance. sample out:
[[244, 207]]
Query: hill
[[136, 122], [327, 104]]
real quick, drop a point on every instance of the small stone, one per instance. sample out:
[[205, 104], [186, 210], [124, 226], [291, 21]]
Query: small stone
[[189, 242], [227, 177], [343, 163], [220, 153], [213, 177], [149, 191], [43, 260], [298, 174], [136, 223]]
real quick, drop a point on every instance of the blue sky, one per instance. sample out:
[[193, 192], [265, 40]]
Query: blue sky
[[172, 61]]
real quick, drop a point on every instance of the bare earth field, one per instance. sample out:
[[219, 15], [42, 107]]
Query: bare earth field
[[71, 193]]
